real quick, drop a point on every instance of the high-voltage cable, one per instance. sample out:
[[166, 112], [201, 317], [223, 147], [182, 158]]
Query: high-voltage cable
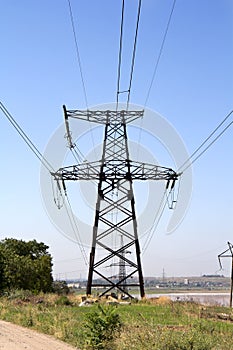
[[205, 141], [26, 139]]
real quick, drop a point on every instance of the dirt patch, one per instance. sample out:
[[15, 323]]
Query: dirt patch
[[13, 337]]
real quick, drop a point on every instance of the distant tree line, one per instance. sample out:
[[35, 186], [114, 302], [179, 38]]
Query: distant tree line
[[25, 265]]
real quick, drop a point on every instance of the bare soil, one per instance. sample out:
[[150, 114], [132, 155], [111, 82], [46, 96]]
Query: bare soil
[[13, 337]]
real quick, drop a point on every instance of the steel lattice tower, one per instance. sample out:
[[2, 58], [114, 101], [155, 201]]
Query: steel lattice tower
[[115, 214]]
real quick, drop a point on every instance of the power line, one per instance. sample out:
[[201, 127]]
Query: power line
[[120, 53], [160, 53], [59, 274], [71, 217], [159, 215], [72, 220], [155, 71], [134, 52], [66, 260], [205, 141], [77, 52], [75, 228], [216, 138], [46, 164], [80, 67], [156, 222], [26, 139]]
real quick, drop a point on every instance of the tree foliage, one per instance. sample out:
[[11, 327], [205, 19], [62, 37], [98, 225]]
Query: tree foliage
[[25, 265], [61, 288]]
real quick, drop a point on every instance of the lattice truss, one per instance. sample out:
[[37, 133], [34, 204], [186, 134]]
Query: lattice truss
[[115, 229]]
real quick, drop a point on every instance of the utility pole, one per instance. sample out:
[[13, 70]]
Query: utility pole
[[114, 172], [163, 275], [226, 254]]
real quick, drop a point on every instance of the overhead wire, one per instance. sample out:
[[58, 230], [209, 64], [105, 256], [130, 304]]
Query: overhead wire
[[153, 78], [160, 53], [128, 91], [156, 222], [160, 212], [80, 67], [205, 141], [134, 53], [118, 92], [71, 217], [155, 70], [216, 138], [66, 260], [75, 228], [152, 82], [80, 158], [77, 52], [120, 53], [43, 161], [78, 155], [26, 139]]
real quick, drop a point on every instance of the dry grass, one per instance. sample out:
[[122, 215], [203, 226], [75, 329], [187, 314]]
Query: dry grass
[[158, 323]]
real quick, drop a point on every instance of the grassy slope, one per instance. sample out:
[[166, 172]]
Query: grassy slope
[[159, 325]]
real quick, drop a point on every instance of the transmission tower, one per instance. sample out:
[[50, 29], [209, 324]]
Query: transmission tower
[[115, 214], [228, 253]]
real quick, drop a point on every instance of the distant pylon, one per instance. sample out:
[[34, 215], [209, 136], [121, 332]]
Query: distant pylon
[[226, 255]]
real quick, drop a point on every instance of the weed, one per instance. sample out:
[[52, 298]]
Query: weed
[[101, 327], [63, 300], [21, 294]]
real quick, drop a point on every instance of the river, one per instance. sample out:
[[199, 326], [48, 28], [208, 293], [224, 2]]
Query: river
[[222, 299]]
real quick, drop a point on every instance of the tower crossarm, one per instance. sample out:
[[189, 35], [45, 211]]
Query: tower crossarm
[[115, 170], [147, 171], [104, 116]]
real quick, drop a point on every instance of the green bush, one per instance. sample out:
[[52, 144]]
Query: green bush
[[20, 294], [101, 327], [60, 287], [63, 300]]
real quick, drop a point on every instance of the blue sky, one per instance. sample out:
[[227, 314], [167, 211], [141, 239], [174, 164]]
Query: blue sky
[[192, 90]]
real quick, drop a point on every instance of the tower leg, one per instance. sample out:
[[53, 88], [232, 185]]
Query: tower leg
[[90, 273], [140, 275]]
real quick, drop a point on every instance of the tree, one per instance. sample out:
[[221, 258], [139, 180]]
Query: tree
[[25, 265], [61, 287]]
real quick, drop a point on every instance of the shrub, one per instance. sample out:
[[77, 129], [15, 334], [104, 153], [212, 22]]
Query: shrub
[[101, 327], [60, 287], [63, 300]]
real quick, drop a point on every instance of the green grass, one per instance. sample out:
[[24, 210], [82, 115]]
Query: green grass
[[145, 325]]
